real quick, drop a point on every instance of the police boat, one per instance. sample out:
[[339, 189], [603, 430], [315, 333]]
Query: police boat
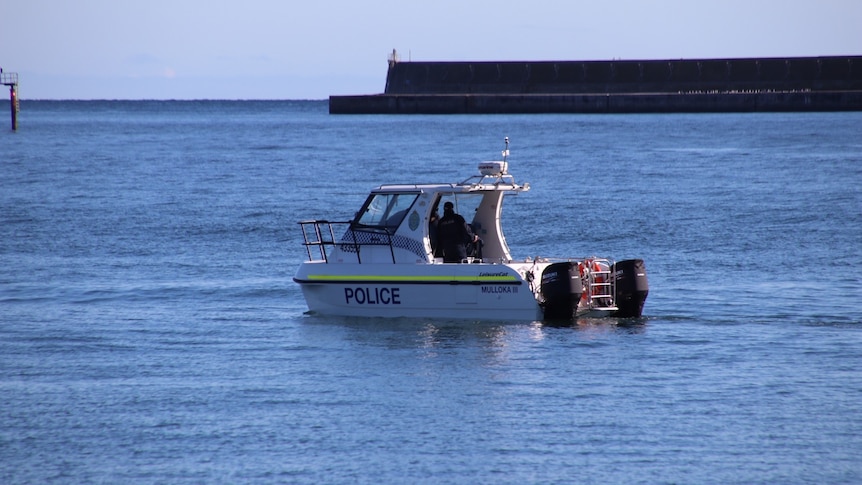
[[386, 262]]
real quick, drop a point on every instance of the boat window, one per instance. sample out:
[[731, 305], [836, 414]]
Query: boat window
[[385, 210], [465, 204]]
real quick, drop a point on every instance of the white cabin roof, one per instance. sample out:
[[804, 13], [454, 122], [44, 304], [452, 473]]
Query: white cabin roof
[[487, 183]]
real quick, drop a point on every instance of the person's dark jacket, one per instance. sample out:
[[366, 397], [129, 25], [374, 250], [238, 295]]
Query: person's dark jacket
[[453, 235]]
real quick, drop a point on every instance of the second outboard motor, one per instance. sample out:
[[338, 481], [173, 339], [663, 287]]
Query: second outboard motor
[[632, 287], [561, 289]]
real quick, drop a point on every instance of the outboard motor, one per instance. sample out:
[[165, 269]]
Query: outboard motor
[[632, 287], [561, 289]]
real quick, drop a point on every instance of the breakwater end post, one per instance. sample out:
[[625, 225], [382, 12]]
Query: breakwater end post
[[11, 79]]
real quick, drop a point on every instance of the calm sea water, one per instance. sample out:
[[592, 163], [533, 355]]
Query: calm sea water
[[150, 330]]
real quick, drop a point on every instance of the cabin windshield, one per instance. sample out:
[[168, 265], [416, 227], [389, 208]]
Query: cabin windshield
[[385, 211]]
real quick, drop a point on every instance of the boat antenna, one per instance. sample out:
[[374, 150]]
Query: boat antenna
[[506, 151]]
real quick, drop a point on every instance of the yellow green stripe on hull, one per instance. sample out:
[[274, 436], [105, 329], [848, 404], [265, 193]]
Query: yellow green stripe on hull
[[405, 278]]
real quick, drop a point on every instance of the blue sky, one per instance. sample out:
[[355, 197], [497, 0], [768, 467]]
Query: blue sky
[[273, 49]]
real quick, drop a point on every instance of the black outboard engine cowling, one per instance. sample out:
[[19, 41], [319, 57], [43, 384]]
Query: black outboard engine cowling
[[632, 287], [561, 289]]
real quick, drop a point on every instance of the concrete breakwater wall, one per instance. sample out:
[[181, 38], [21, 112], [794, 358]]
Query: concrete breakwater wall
[[706, 85]]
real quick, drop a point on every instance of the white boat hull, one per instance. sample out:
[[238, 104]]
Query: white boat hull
[[457, 291]]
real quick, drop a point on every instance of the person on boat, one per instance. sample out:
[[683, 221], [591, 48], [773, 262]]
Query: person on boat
[[432, 233], [453, 235]]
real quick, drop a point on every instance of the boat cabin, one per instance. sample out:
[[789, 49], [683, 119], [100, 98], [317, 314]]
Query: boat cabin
[[395, 223]]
